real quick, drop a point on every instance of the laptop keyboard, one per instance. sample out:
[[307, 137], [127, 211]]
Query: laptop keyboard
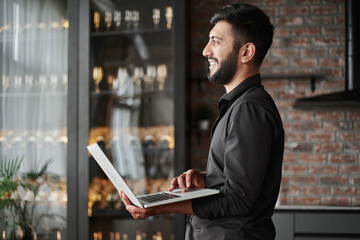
[[157, 197]]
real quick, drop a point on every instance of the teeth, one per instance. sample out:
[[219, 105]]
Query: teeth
[[212, 63]]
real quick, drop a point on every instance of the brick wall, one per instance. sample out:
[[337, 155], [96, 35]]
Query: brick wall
[[322, 149]]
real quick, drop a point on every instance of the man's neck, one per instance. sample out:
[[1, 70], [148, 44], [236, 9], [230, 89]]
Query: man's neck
[[239, 78]]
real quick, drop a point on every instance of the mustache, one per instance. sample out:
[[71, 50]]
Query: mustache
[[212, 58]]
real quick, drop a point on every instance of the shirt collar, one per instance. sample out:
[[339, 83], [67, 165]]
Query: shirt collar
[[236, 92], [243, 87]]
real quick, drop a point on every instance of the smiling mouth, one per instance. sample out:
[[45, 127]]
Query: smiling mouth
[[212, 63]]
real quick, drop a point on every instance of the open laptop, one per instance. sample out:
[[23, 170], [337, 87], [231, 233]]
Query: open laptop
[[148, 200]]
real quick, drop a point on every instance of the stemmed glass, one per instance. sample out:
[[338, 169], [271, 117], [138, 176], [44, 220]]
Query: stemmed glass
[[98, 75], [135, 19], [138, 75], [128, 19], [117, 19], [156, 17], [169, 17], [150, 77], [108, 20], [161, 76], [96, 21]]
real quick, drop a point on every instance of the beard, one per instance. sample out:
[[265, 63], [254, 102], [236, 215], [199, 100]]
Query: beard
[[227, 69]]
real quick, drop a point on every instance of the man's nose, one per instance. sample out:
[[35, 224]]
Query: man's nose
[[207, 51]]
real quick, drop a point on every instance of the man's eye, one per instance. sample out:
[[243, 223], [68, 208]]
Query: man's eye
[[215, 42]]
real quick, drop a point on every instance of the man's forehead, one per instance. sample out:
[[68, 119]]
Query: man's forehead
[[221, 30]]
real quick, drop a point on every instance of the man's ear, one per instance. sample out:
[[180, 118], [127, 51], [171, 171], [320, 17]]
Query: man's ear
[[247, 52]]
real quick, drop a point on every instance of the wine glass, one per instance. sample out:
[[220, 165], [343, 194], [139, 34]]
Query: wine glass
[[135, 19], [169, 17], [110, 80], [138, 75], [150, 77], [128, 19], [98, 75], [5, 82], [117, 19], [161, 76], [156, 17], [96, 21], [108, 20]]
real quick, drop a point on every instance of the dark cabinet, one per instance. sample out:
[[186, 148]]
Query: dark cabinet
[[128, 87]]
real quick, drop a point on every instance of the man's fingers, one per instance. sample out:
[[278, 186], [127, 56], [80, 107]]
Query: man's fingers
[[174, 184]]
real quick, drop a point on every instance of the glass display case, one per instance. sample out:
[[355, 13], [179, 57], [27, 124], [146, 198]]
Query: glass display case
[[136, 111], [33, 122]]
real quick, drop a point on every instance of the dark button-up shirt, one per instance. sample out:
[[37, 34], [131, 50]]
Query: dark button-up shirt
[[244, 163]]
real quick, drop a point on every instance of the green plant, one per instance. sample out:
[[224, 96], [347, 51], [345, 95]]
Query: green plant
[[20, 197]]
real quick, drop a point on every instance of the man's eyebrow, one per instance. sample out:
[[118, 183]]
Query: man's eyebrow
[[215, 37]]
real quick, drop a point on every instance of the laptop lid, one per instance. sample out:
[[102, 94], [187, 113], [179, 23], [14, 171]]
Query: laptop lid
[[111, 172]]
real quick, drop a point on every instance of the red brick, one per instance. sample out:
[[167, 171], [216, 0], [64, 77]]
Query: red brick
[[306, 31], [290, 190], [323, 9], [314, 52], [357, 126], [310, 180], [333, 30], [326, 41], [294, 169], [293, 10], [328, 147], [312, 158], [282, 32], [343, 158], [333, 180], [275, 63], [337, 51], [319, 20], [289, 21], [275, 84], [307, 126], [345, 191], [320, 137], [355, 180], [284, 52], [270, 11], [353, 115], [336, 201], [289, 158], [307, 2], [355, 201], [298, 147], [327, 115], [291, 94], [349, 136], [333, 72], [340, 19], [332, 62], [350, 169], [323, 169], [304, 63], [294, 137], [299, 115], [334, 84], [273, 2], [296, 42], [306, 200], [315, 190]]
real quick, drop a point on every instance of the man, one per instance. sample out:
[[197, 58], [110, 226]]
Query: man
[[247, 145]]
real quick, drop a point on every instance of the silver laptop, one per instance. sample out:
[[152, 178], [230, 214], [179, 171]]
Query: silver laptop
[[148, 200]]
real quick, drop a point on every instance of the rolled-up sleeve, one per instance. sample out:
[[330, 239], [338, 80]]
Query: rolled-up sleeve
[[247, 148]]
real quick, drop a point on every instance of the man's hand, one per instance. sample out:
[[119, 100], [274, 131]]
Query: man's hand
[[188, 179], [183, 207], [135, 211]]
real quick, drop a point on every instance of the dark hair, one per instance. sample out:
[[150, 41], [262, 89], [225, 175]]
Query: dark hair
[[249, 24]]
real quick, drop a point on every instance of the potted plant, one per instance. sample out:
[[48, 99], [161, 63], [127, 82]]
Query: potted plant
[[203, 115]]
